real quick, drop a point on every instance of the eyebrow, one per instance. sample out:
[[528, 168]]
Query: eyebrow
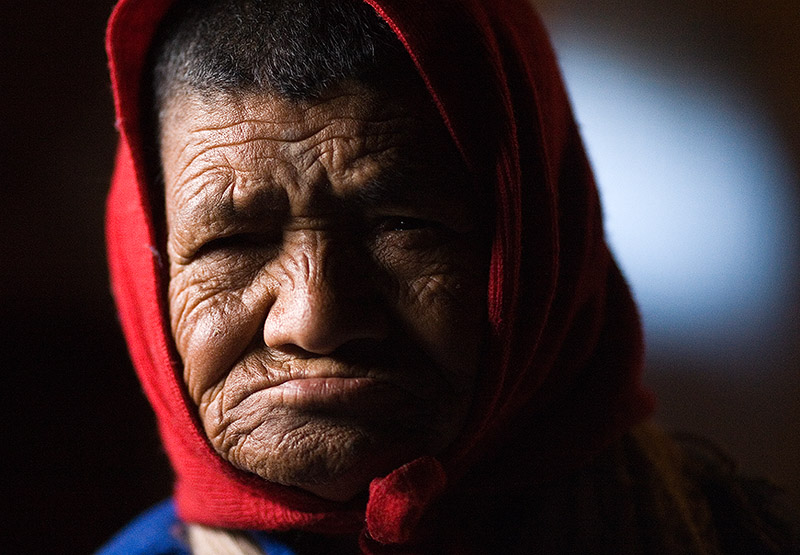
[[403, 185], [395, 186], [261, 202]]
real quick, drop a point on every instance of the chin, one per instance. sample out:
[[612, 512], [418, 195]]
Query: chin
[[328, 458]]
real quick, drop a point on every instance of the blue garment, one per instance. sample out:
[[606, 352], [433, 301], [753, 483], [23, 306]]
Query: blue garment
[[159, 531]]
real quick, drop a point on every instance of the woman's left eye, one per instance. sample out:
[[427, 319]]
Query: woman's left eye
[[393, 234], [404, 224]]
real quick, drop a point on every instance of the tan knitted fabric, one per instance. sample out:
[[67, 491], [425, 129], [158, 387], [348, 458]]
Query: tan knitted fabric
[[215, 541]]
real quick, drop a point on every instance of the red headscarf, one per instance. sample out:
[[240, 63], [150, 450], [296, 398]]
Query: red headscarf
[[565, 341]]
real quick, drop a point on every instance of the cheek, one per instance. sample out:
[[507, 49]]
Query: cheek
[[441, 305], [216, 313]]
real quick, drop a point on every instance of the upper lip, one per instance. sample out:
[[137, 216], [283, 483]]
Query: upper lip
[[280, 368], [317, 369], [318, 377]]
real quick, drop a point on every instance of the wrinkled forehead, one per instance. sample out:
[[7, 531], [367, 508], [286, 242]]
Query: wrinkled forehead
[[356, 106], [244, 59], [353, 139]]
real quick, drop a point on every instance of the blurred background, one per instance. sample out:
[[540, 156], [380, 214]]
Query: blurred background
[[691, 113], [690, 110]]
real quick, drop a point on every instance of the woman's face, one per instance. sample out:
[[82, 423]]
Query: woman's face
[[327, 280]]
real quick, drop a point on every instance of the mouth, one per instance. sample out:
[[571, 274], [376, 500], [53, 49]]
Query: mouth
[[349, 393]]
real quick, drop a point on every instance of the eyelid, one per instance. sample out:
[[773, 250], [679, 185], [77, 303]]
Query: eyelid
[[405, 223], [243, 239]]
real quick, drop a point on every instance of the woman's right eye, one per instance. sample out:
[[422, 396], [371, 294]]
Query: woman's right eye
[[242, 242]]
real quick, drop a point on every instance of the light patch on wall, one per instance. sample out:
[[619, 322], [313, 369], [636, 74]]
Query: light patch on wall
[[697, 197]]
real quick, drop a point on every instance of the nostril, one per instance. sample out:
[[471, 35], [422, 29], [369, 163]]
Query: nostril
[[301, 324], [293, 351]]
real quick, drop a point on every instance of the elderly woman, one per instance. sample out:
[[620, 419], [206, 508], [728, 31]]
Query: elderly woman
[[358, 257]]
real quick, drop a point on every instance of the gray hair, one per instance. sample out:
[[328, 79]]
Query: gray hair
[[294, 48]]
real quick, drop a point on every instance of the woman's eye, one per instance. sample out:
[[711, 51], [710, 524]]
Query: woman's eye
[[241, 241], [410, 234], [404, 224]]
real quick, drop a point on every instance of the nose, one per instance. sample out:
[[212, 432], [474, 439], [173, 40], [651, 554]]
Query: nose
[[323, 301]]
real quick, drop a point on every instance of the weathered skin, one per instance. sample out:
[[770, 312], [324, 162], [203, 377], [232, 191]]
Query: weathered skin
[[328, 280]]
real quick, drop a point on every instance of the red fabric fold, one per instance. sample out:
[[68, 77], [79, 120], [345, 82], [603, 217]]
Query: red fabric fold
[[398, 502]]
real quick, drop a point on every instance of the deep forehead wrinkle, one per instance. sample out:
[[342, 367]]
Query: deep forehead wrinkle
[[221, 197], [397, 185], [285, 118], [237, 159], [238, 143], [293, 130]]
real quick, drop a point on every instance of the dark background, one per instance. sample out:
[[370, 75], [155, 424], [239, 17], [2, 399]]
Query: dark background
[[82, 455]]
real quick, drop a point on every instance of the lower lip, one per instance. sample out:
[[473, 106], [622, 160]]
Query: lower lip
[[335, 392]]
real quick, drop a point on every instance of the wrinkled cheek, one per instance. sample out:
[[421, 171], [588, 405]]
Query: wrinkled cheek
[[444, 314], [228, 426], [210, 334]]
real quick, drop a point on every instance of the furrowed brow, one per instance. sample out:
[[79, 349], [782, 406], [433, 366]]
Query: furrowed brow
[[398, 187], [225, 208]]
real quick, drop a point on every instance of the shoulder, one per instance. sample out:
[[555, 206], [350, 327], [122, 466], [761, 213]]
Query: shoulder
[[651, 493], [739, 514], [158, 531]]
